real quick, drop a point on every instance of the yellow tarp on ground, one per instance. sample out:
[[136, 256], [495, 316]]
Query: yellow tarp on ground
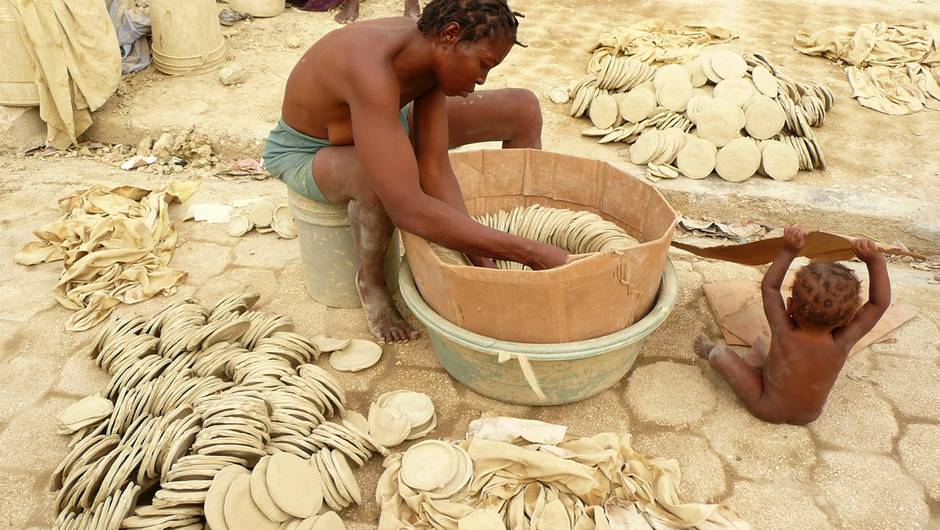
[[599, 481], [74, 47], [893, 69], [116, 245]]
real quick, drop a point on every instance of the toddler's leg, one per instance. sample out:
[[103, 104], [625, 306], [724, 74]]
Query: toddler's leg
[[746, 382], [757, 354]]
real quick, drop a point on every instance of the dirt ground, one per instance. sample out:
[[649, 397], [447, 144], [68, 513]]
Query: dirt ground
[[871, 461]]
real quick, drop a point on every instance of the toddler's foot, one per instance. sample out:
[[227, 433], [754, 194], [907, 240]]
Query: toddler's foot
[[703, 346]]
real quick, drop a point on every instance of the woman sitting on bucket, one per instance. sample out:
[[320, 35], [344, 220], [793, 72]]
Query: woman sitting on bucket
[[369, 114]]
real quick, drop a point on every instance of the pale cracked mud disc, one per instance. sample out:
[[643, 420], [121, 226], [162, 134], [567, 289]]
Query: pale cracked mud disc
[[728, 65], [637, 104], [765, 81], [294, 486], [644, 149], [429, 465], [604, 111], [240, 510], [697, 159], [358, 355], [739, 160], [261, 495], [764, 117], [779, 161], [239, 225], [261, 213], [737, 90], [558, 95], [718, 128], [329, 521]]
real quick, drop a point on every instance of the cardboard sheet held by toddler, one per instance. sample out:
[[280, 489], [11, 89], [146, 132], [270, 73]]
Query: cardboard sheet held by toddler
[[738, 310], [737, 304]]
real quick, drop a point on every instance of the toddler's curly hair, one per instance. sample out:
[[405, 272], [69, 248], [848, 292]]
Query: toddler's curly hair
[[826, 294]]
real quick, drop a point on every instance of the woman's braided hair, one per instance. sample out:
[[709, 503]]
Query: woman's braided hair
[[478, 19]]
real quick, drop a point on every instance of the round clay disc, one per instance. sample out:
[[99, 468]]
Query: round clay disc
[[697, 159], [765, 81], [417, 407], [728, 65], [720, 129], [328, 344], [329, 521], [637, 104], [644, 149], [86, 409], [604, 111], [345, 474], [739, 160], [293, 485], [240, 510], [764, 117], [259, 492], [558, 95], [460, 479], [388, 426], [226, 333], [779, 161], [358, 355], [696, 73], [239, 225], [674, 94], [727, 107], [428, 465], [736, 90], [669, 74], [261, 213], [706, 62]]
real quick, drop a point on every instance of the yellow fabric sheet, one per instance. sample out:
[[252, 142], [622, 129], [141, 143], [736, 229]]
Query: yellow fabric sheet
[[892, 68], [600, 482], [657, 42], [116, 245], [74, 47]]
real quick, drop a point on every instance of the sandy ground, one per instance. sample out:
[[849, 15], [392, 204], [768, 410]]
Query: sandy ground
[[871, 460], [881, 167]]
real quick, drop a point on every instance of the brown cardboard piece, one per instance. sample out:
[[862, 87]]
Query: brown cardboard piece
[[589, 297], [819, 245], [739, 311]]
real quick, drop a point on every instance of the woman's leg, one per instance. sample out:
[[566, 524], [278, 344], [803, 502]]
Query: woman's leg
[[510, 115], [341, 179]]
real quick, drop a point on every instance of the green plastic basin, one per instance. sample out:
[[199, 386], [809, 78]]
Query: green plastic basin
[[566, 372]]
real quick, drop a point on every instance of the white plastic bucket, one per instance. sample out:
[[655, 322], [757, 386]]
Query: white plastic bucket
[[187, 36], [329, 253]]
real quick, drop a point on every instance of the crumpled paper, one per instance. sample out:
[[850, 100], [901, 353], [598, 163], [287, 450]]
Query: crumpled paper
[[600, 481], [115, 244], [892, 68], [510, 430]]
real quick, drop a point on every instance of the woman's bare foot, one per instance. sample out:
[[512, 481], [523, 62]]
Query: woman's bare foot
[[385, 322], [349, 12], [703, 346], [412, 9]]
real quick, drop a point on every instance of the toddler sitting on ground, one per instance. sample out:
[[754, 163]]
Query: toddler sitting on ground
[[811, 335]]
